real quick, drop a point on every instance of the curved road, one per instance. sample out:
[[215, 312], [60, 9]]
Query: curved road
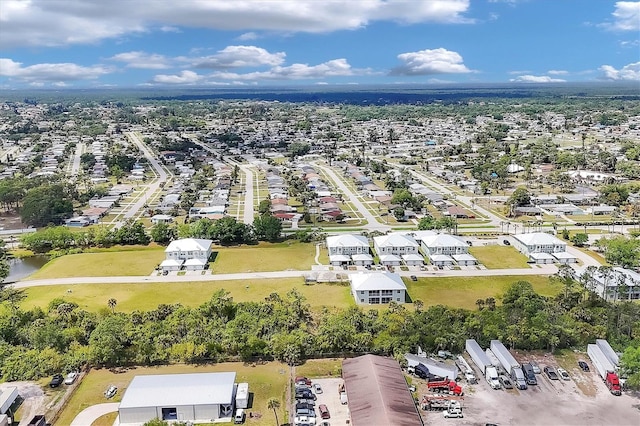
[[89, 415]]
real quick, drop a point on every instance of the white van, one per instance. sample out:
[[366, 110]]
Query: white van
[[238, 419]]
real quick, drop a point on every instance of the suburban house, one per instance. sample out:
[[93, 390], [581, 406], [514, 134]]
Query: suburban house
[[397, 248], [445, 249], [191, 253], [541, 247], [342, 248], [374, 288]]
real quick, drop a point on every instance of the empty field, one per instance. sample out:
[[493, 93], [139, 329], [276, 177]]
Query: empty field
[[499, 257]]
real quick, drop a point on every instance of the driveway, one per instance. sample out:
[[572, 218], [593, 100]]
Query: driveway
[[89, 415]]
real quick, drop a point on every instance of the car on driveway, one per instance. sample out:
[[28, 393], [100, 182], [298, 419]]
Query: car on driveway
[[551, 373], [71, 377], [505, 382], [56, 381], [563, 373], [583, 365], [535, 367]]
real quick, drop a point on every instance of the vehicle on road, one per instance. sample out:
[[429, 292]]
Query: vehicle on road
[[56, 381], [110, 392], [317, 388], [505, 382], [414, 278], [551, 373], [506, 242], [563, 373], [71, 377], [584, 366]]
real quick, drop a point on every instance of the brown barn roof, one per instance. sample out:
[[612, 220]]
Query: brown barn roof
[[378, 393]]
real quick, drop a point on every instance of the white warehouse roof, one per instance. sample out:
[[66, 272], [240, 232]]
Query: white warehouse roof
[[179, 389]]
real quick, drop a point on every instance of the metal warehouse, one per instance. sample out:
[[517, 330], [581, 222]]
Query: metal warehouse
[[199, 398]]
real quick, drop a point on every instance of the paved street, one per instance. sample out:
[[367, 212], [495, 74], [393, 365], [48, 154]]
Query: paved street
[[91, 414]]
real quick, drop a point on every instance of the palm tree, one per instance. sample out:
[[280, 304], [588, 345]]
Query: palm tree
[[112, 304], [274, 404]]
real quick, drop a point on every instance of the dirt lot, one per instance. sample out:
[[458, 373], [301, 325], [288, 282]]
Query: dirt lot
[[584, 400]]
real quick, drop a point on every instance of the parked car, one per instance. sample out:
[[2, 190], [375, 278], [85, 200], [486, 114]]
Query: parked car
[[551, 373], [505, 382], [305, 395], [317, 388], [303, 380], [414, 278], [56, 381], [301, 405], [110, 392], [71, 377], [563, 374], [305, 412], [324, 411], [535, 366], [583, 365], [307, 401], [506, 242]]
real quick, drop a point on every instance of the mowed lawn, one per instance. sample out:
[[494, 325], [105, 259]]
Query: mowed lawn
[[143, 261], [264, 257], [111, 263], [499, 257], [462, 292], [147, 296], [266, 381]]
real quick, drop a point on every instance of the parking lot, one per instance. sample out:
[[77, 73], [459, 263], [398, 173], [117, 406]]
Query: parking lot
[[331, 398], [583, 400]]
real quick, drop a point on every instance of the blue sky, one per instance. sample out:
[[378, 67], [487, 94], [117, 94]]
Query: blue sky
[[236, 43]]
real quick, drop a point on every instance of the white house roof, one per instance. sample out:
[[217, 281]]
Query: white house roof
[[195, 262], [189, 244], [419, 235], [171, 262], [443, 240], [361, 256], [440, 258], [171, 390], [347, 240], [376, 281], [463, 257], [390, 258], [395, 240], [538, 238], [563, 255], [339, 257], [541, 256], [412, 256]]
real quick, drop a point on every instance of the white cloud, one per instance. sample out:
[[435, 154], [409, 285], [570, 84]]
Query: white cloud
[[557, 72], [629, 72], [248, 36], [60, 72], [333, 68], [138, 59], [626, 17], [238, 57], [428, 62], [536, 79], [185, 77], [64, 22], [630, 43]]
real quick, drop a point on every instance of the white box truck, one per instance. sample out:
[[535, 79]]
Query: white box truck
[[242, 395], [7, 398], [482, 361], [509, 363]]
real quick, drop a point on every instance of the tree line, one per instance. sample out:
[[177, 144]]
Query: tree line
[[38, 342]]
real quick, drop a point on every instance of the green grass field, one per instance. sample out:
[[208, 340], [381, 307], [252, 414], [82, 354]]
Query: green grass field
[[266, 381], [264, 257], [108, 263], [499, 257], [318, 368], [462, 292], [145, 297]]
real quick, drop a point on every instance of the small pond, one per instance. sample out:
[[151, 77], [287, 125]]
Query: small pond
[[23, 267]]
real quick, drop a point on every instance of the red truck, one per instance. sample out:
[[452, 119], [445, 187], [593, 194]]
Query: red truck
[[448, 386], [613, 383]]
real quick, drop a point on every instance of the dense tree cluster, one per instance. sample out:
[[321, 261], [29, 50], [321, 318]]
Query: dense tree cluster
[[35, 343]]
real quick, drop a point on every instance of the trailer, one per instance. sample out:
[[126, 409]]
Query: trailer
[[465, 368], [509, 363], [608, 351], [7, 398], [480, 358], [242, 395], [436, 368], [439, 402], [605, 369]]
